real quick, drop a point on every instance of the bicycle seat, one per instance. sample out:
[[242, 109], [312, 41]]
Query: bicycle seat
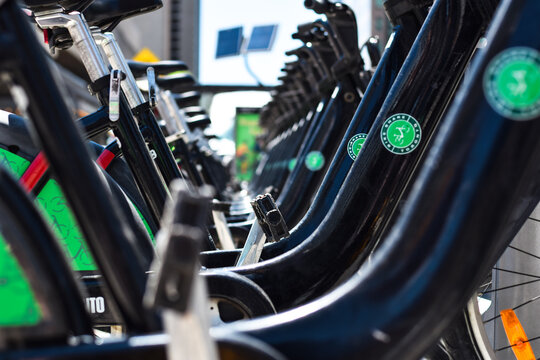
[[67, 5], [194, 110], [108, 13], [138, 68], [188, 98], [198, 122], [175, 83]]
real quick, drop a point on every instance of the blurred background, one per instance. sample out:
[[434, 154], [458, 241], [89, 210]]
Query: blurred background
[[188, 30], [235, 49]]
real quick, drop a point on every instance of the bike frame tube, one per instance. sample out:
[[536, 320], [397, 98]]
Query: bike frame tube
[[287, 147], [320, 58], [96, 123], [336, 120], [302, 183], [279, 177], [170, 111]]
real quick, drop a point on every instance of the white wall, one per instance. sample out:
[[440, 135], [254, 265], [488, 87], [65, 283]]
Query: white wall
[[219, 14]]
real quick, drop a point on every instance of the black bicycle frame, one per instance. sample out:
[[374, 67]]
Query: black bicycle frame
[[377, 179], [164, 157], [99, 218], [138, 158], [383, 78], [452, 231], [303, 182]]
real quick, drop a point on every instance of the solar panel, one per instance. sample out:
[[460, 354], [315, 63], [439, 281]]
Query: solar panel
[[229, 42], [262, 37]]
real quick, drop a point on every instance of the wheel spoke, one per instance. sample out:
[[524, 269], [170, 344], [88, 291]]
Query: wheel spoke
[[517, 272], [510, 286], [515, 308], [525, 252]]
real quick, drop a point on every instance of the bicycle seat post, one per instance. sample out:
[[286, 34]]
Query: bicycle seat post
[[108, 43], [135, 149], [137, 103], [173, 116], [82, 38]]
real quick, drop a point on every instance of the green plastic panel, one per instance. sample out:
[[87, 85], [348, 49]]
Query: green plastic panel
[[16, 164], [17, 300], [55, 209]]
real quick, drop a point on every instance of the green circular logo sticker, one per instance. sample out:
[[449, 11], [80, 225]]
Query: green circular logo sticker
[[401, 134], [314, 160], [355, 145], [512, 83], [292, 164]]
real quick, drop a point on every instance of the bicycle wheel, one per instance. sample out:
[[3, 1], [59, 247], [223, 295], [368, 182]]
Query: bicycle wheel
[[514, 283]]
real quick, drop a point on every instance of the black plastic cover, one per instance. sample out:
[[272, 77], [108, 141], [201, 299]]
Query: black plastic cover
[[108, 13], [68, 5]]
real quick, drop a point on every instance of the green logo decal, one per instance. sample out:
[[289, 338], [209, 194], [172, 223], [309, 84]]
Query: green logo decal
[[401, 134], [355, 145], [314, 160], [512, 83], [292, 164]]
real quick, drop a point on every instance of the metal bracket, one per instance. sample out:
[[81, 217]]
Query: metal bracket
[[176, 286], [269, 217], [270, 225], [222, 228], [114, 94], [152, 86], [178, 246], [82, 39], [179, 266], [116, 59]]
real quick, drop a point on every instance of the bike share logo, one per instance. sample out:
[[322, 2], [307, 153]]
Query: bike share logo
[[512, 83], [401, 134], [292, 164], [314, 161], [355, 145]]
